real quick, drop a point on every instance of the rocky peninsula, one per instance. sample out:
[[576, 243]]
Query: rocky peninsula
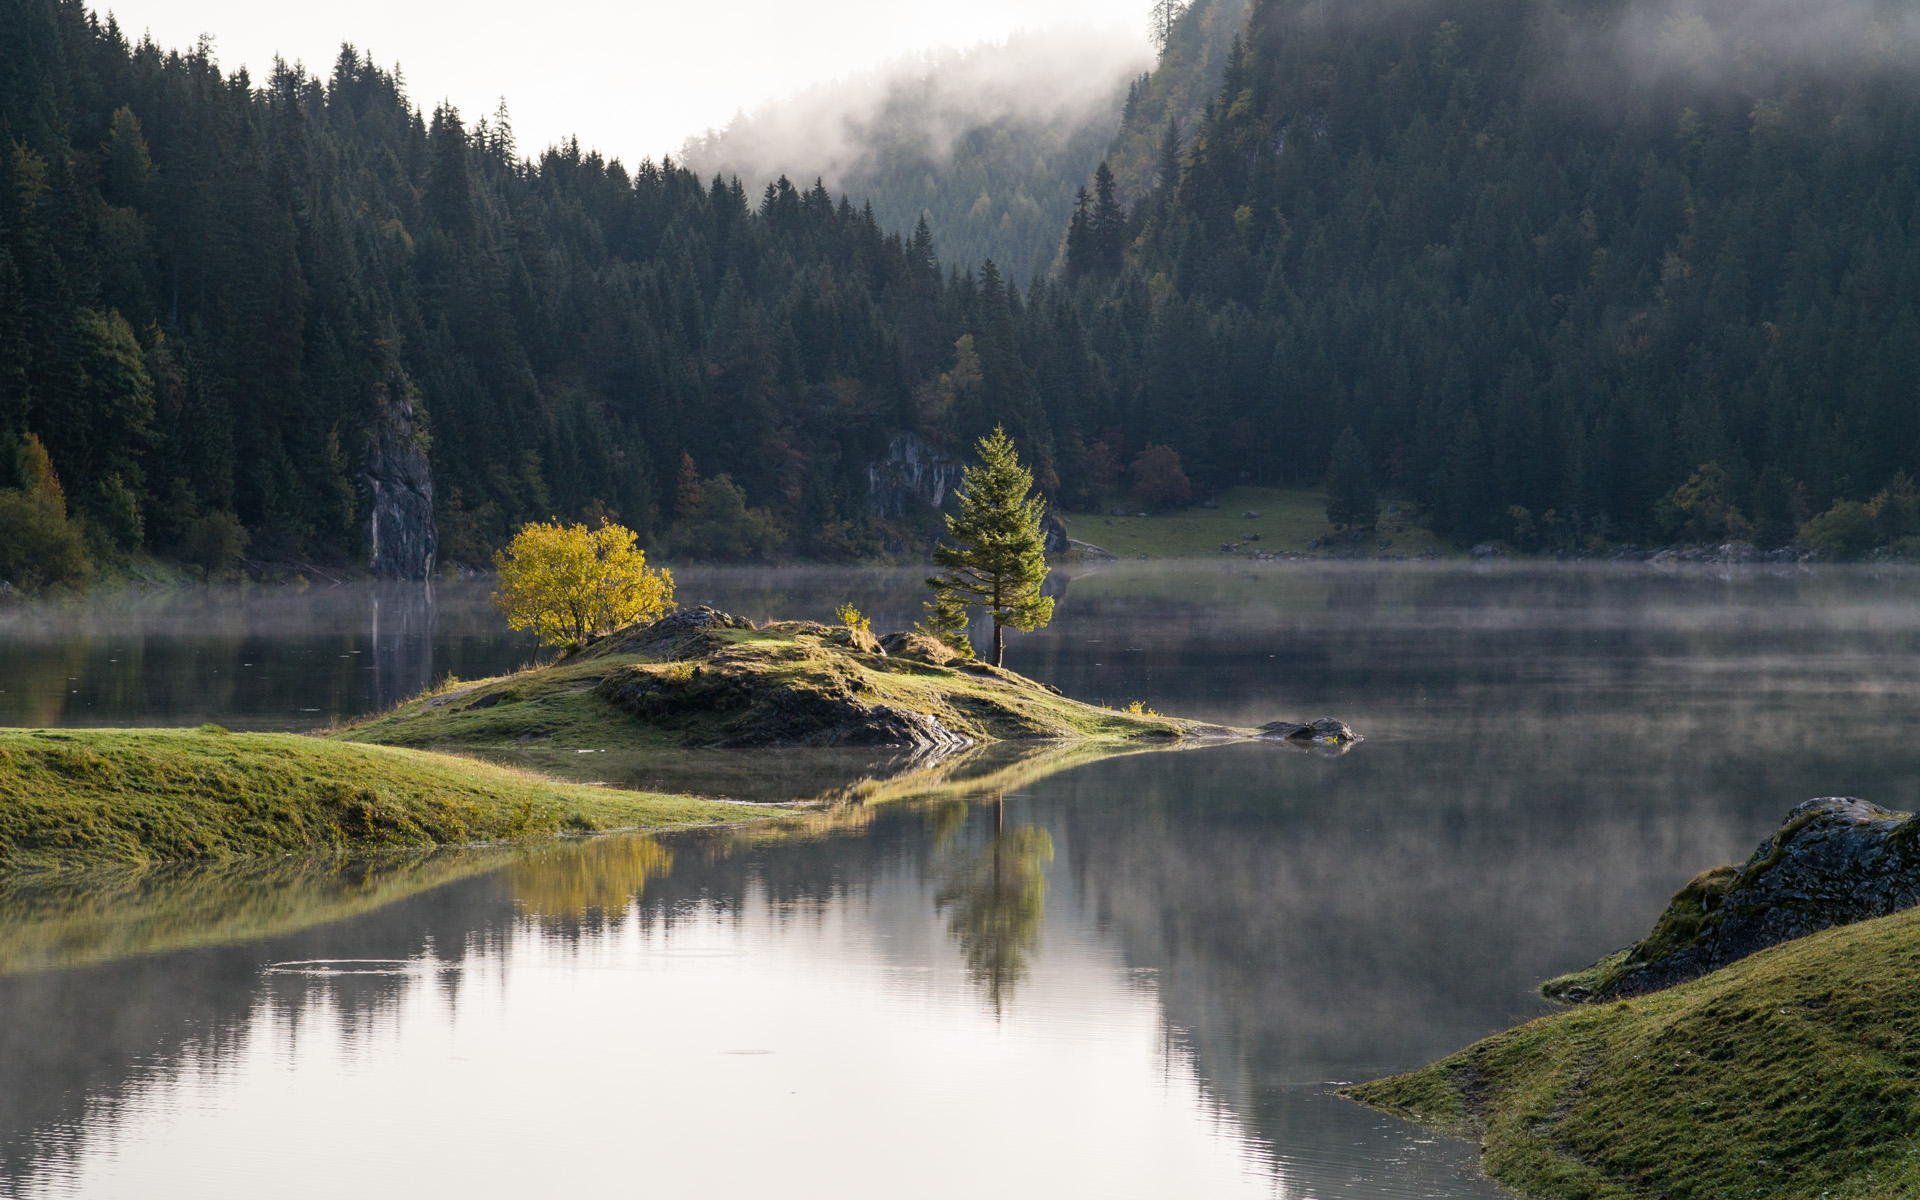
[[697, 678], [1763, 1039]]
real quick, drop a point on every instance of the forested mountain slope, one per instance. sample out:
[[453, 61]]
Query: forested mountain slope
[[1178, 91], [269, 298], [1548, 258], [1547, 255], [988, 144]]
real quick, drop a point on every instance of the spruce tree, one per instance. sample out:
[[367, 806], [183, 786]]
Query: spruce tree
[[998, 558], [1351, 500]]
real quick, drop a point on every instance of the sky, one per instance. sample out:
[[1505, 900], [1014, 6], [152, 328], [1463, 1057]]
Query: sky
[[630, 79]]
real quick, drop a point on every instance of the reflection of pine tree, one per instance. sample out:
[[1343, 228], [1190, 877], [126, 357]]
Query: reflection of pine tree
[[995, 900]]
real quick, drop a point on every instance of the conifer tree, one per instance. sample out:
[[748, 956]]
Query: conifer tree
[[997, 559], [1351, 500]]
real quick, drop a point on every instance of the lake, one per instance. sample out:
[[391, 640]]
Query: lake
[[1029, 974]]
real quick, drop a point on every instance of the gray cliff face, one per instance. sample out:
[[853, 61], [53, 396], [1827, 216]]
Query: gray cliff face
[[915, 480], [401, 537], [1834, 861], [912, 477]]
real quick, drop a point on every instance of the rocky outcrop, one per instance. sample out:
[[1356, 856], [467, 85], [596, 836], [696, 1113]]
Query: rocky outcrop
[[918, 647], [1325, 731], [734, 709], [401, 537], [1834, 861], [913, 478], [683, 633]]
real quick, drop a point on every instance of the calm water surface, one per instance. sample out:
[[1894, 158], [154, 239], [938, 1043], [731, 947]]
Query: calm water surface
[[1027, 975]]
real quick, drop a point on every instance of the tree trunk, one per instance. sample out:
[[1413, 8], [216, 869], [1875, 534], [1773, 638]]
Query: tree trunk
[[999, 641]]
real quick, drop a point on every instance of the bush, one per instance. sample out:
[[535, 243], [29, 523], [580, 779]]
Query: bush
[[214, 542], [1844, 531], [853, 619], [568, 584], [39, 546], [116, 511], [1159, 478], [1702, 508]]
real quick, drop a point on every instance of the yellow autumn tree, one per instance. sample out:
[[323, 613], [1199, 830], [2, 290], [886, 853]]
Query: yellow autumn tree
[[568, 584]]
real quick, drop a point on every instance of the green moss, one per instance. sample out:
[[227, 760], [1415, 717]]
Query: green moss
[[154, 795], [1290, 519], [1679, 926], [1792, 1073]]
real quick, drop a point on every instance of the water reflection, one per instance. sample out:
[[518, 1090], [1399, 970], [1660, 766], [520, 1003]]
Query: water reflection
[[1020, 970], [994, 898]]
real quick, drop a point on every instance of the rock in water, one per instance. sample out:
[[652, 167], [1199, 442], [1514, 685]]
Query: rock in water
[[1834, 861], [401, 537], [1325, 731]]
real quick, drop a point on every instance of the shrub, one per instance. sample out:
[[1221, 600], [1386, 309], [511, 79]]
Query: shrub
[[853, 619], [567, 583], [214, 542], [1702, 508], [1843, 531], [1159, 478], [39, 546]]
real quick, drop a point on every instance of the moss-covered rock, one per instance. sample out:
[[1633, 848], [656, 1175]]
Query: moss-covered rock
[[1793, 1074], [1833, 861]]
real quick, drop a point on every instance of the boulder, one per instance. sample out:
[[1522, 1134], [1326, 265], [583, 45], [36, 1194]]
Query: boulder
[[1325, 731], [860, 641], [918, 647], [683, 633], [1834, 861]]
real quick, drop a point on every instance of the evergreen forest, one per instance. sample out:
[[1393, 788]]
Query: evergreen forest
[[1573, 272]]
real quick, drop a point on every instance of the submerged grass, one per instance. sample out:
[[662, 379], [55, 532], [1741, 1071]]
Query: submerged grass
[[1792, 1073], [140, 796]]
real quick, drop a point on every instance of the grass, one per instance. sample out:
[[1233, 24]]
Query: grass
[[138, 796], [1289, 520], [734, 683], [1792, 1073]]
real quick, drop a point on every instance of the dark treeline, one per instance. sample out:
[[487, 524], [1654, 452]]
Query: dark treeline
[[1546, 258], [211, 288], [1545, 286]]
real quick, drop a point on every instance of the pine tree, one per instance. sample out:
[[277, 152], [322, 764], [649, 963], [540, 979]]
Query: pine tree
[[1161, 18], [687, 495], [1351, 500], [998, 558], [1108, 225]]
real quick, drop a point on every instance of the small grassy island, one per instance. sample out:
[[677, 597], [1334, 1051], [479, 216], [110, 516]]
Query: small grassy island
[[631, 675], [1765, 1042], [694, 678], [702, 678]]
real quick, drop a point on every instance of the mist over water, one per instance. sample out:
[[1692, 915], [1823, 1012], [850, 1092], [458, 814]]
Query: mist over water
[[1134, 976]]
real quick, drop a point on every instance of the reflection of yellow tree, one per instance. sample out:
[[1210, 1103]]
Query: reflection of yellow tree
[[995, 899], [567, 881]]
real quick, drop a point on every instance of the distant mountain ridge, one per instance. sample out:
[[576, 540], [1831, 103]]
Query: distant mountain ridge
[[988, 144]]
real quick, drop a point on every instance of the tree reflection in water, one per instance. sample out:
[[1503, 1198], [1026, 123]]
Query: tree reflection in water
[[995, 898], [598, 878]]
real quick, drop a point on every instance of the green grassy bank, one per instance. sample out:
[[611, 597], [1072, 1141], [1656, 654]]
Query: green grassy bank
[[1289, 521], [134, 796], [1791, 1074]]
